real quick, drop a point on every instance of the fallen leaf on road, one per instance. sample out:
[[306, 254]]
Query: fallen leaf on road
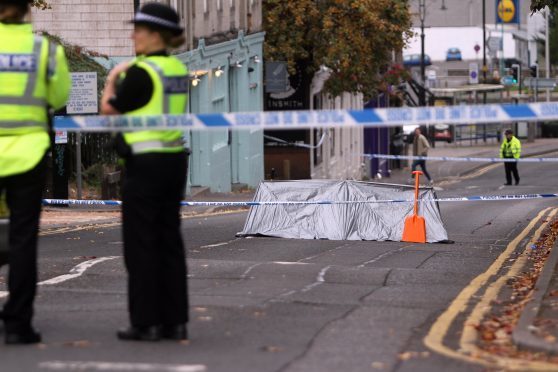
[[200, 309], [79, 343], [406, 355], [272, 349], [378, 365], [205, 318]]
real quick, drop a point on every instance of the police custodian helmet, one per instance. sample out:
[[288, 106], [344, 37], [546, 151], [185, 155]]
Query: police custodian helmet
[[16, 2], [159, 16]]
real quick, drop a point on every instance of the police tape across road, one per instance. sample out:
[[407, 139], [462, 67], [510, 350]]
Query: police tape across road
[[465, 159], [383, 117], [312, 202]]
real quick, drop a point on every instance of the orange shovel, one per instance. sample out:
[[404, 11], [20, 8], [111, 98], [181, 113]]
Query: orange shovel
[[415, 225]]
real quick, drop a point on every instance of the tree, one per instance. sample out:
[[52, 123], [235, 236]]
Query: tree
[[40, 4], [354, 38], [537, 5]]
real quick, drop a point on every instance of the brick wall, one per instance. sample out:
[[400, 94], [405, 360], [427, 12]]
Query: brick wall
[[98, 25]]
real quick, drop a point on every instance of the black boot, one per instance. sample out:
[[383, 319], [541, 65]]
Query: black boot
[[151, 333], [175, 332], [29, 336]]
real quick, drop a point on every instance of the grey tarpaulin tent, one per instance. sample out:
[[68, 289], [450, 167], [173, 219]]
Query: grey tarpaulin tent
[[359, 221]]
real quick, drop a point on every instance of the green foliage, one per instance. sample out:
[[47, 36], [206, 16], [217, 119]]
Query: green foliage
[[81, 60], [355, 38], [537, 5], [4, 213], [41, 4]]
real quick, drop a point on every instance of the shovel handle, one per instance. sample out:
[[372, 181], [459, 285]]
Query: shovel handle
[[417, 185]]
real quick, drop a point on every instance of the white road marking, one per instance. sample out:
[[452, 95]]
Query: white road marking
[[377, 258], [290, 263], [319, 280], [109, 366], [214, 245], [75, 272], [245, 274]]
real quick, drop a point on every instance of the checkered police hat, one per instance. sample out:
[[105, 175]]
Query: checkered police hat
[[159, 16], [16, 2]]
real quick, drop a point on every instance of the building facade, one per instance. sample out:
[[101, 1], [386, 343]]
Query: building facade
[[222, 35], [459, 23]]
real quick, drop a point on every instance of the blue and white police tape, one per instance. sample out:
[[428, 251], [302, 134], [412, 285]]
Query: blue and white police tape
[[382, 117], [466, 158], [308, 202]]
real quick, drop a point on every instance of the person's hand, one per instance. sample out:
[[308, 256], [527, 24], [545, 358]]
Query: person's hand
[[116, 71]]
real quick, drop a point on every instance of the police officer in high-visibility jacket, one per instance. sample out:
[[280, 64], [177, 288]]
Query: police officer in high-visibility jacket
[[154, 83], [33, 75], [510, 149]]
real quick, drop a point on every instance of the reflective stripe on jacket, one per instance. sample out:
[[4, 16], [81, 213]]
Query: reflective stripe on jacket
[[33, 75], [170, 96], [511, 148]]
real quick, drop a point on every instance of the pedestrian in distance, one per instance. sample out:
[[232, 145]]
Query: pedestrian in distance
[[154, 83], [397, 146], [510, 149], [33, 77], [420, 148]]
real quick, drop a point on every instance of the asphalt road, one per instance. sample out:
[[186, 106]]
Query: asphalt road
[[269, 304]]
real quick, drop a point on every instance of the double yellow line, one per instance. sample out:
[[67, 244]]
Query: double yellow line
[[468, 350]]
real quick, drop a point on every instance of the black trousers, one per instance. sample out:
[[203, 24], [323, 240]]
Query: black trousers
[[511, 168], [422, 164], [154, 255], [23, 195]]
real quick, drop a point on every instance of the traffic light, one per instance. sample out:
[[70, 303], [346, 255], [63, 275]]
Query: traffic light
[[534, 70], [516, 73]]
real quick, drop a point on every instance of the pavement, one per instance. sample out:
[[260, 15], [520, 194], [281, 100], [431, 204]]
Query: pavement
[[541, 311]]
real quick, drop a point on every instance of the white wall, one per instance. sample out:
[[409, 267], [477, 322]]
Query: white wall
[[97, 25], [343, 146]]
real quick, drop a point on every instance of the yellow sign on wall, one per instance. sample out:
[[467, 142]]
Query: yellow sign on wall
[[507, 11]]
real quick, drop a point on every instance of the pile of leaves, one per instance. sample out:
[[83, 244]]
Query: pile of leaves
[[496, 329]]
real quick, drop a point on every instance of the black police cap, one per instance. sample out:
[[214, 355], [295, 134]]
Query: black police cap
[[160, 16], [16, 2]]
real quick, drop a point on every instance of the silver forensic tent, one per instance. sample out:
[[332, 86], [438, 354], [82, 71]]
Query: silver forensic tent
[[355, 221]]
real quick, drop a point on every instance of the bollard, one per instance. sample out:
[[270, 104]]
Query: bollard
[[110, 185]]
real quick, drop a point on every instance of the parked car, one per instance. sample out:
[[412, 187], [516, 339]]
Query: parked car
[[414, 60], [443, 132], [453, 54]]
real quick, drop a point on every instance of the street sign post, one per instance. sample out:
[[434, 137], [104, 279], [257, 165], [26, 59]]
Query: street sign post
[[473, 73]]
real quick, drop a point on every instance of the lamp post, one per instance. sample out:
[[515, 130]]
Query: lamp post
[[484, 68], [422, 16]]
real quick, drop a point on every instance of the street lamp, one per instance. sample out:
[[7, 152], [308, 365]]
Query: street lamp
[[422, 16]]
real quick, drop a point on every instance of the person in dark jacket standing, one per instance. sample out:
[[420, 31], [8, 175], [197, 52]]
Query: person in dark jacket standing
[[154, 83], [510, 149]]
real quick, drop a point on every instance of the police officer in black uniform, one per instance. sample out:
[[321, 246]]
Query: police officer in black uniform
[[155, 177]]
